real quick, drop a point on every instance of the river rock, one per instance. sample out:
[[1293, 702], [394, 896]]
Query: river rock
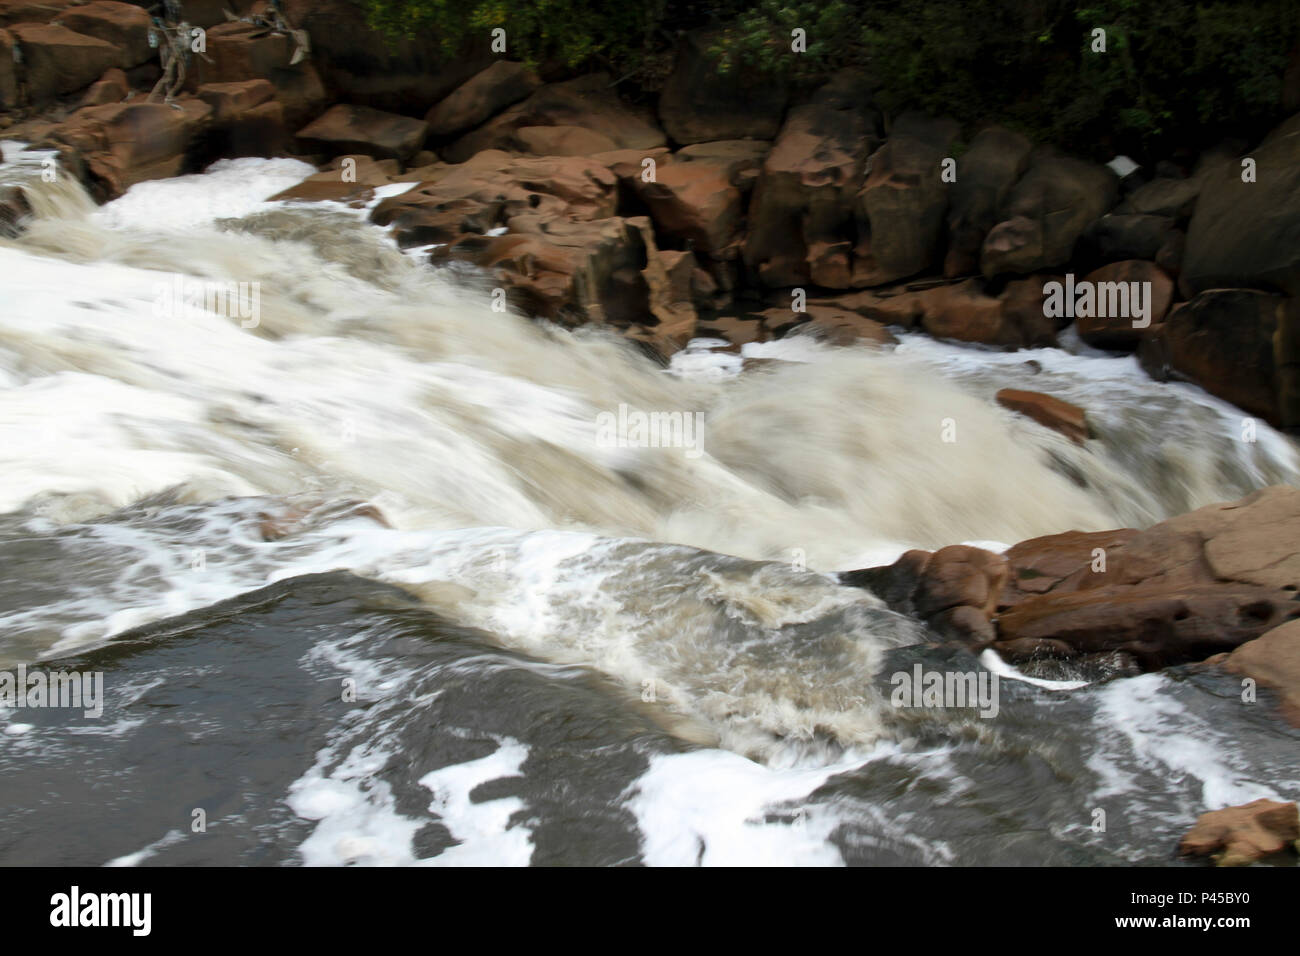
[[699, 103], [1049, 411], [112, 87], [481, 97], [57, 60], [901, 206], [1274, 661], [1045, 214], [1187, 588], [1223, 341], [124, 25], [1118, 332], [800, 216], [695, 203], [360, 129], [1247, 234], [586, 102], [994, 162], [122, 144], [1236, 836]]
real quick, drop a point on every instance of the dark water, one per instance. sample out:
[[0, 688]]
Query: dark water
[[225, 708]]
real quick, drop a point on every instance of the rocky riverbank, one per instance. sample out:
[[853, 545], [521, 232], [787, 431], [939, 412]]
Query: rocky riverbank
[[724, 210]]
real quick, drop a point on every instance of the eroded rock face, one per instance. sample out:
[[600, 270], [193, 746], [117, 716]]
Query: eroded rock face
[[1236, 836], [1117, 331], [699, 104], [124, 25], [360, 129], [1183, 590], [1247, 234], [801, 215], [586, 102], [995, 161], [123, 144], [57, 60], [1045, 214], [1274, 661], [481, 97], [902, 204]]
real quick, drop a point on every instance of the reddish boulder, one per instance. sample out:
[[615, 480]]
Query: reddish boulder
[[124, 25], [1118, 331], [126, 143], [1045, 214], [31, 11], [360, 129], [57, 60], [1236, 836], [1274, 661], [800, 217], [1223, 341], [700, 103], [112, 87], [481, 97], [1048, 411], [585, 102], [694, 202], [902, 204]]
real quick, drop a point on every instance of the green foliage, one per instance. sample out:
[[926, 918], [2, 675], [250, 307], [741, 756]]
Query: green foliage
[[1171, 68], [573, 33]]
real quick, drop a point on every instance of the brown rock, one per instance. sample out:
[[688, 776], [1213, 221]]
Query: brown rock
[[903, 202], [1236, 836], [1118, 331], [360, 129], [694, 202], [1045, 214], [124, 25], [31, 11], [1184, 589], [126, 143], [563, 141], [585, 102], [1047, 410], [230, 100], [954, 590], [1039, 565], [57, 60], [481, 97], [1274, 661], [1247, 234], [964, 311], [1223, 341], [838, 327], [995, 160], [802, 203], [699, 103], [8, 72], [112, 87]]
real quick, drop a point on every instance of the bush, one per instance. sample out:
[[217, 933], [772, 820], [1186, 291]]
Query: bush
[[1171, 72]]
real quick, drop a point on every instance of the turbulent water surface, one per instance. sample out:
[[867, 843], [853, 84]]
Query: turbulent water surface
[[366, 587]]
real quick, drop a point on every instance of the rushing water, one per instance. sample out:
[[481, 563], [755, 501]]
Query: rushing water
[[561, 650]]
